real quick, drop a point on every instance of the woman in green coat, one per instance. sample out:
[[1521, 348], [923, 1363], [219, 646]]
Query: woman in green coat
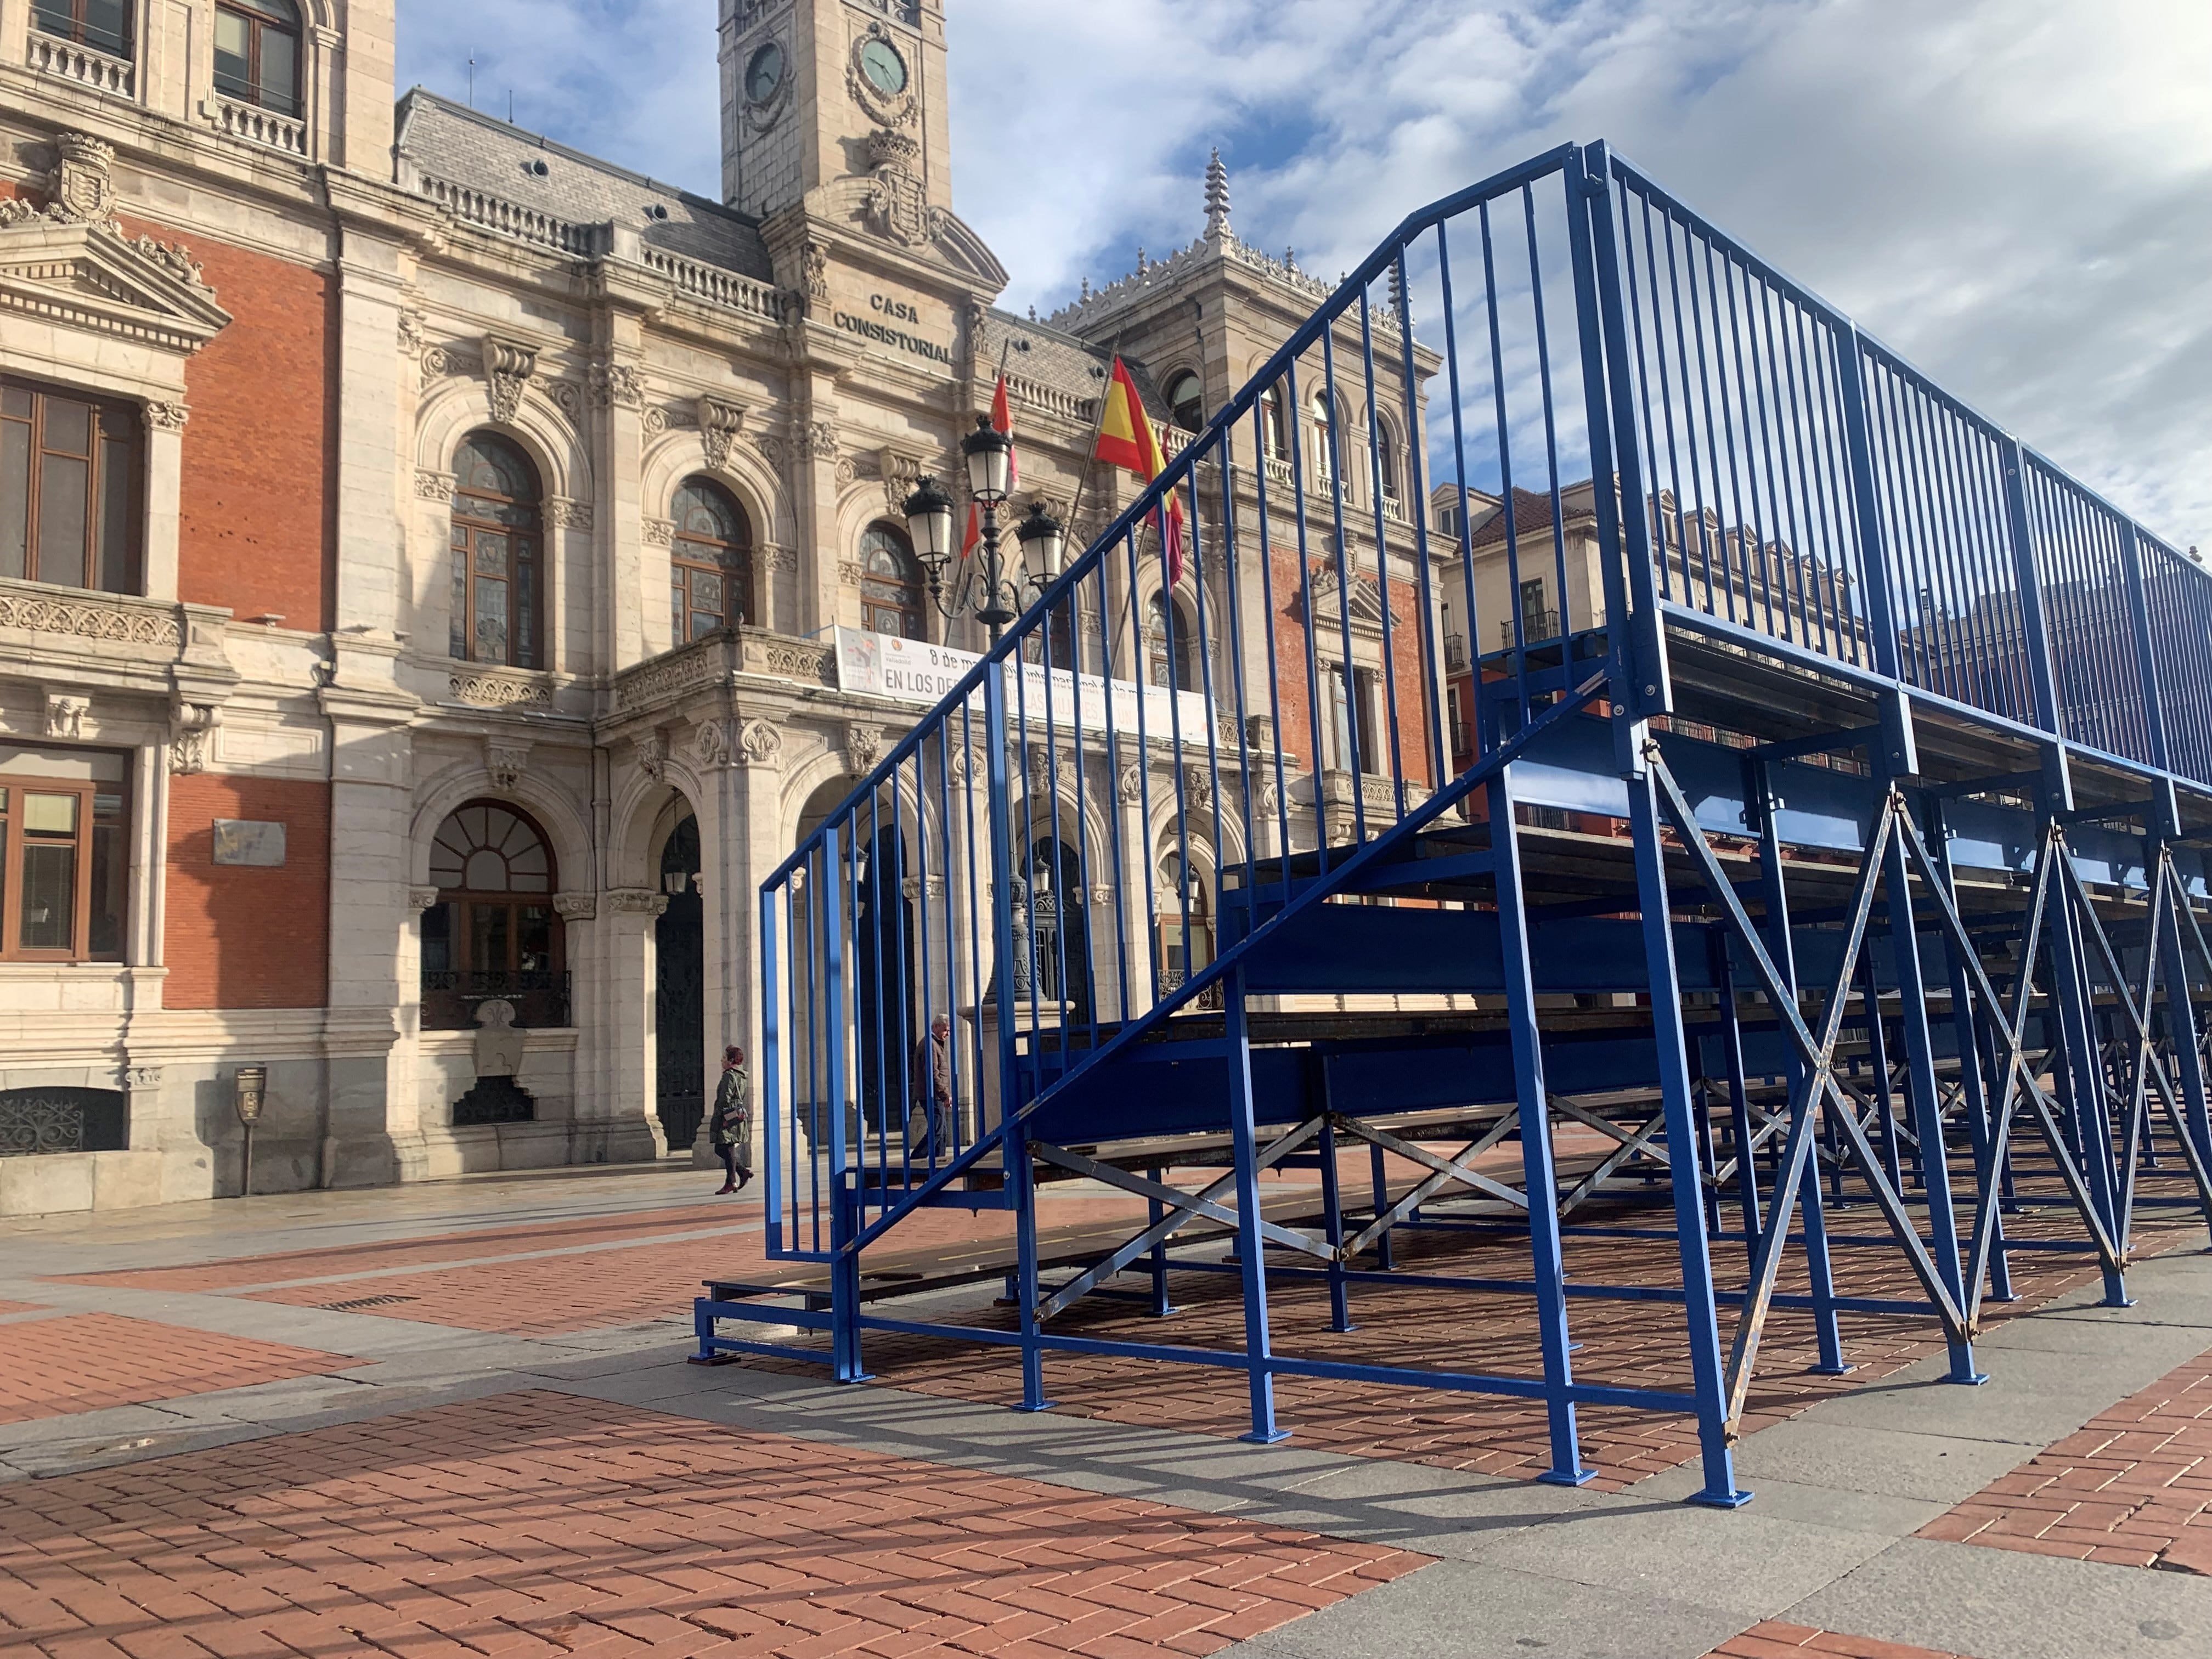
[[732, 1127]]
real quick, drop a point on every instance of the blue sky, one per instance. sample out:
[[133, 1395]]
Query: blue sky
[[2015, 193]]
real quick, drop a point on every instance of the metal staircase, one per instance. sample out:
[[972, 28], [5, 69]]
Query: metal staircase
[[1850, 813]]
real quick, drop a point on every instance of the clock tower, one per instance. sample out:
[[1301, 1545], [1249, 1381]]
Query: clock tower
[[817, 91]]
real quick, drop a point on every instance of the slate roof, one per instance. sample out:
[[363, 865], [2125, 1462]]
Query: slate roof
[[1057, 360], [468, 148]]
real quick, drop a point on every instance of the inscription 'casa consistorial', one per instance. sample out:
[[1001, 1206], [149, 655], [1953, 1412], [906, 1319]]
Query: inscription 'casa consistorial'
[[884, 334]]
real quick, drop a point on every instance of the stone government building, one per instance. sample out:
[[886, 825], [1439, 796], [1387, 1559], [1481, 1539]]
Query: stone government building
[[419, 548]]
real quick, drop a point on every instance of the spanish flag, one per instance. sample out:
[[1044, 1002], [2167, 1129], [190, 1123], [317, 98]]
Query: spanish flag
[[1125, 439]]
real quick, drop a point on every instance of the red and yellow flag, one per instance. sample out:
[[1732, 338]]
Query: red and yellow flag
[[1125, 439]]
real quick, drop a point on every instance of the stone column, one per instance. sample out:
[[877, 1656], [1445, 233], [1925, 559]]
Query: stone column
[[740, 830], [626, 957], [372, 914], [165, 472], [823, 560]]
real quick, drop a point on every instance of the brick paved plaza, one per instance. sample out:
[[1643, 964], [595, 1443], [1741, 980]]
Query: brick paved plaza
[[456, 1420]]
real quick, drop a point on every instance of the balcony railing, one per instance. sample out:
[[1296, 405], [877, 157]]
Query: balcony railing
[[115, 76], [450, 997], [1456, 652], [493, 213], [1536, 626], [711, 285], [257, 126]]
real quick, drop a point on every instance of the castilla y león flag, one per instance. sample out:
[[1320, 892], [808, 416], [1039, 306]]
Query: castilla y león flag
[[1125, 439]]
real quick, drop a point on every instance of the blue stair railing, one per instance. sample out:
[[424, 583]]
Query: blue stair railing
[[1146, 780]]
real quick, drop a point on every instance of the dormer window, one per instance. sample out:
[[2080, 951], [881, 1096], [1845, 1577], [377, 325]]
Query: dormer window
[[102, 24], [257, 53]]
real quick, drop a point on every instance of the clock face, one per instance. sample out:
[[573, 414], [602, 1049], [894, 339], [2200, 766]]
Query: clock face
[[885, 68], [764, 74]]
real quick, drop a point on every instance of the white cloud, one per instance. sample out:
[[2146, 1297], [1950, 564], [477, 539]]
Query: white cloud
[[2014, 193]]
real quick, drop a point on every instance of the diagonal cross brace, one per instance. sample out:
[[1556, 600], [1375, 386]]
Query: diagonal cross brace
[[2017, 1074], [1174, 1197], [1123, 1254], [1446, 1171], [1819, 1084]]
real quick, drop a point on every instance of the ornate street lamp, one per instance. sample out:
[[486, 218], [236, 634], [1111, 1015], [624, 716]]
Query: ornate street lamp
[[994, 594]]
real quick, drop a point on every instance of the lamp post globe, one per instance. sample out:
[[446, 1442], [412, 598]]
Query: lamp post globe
[[1044, 542], [990, 457], [929, 523]]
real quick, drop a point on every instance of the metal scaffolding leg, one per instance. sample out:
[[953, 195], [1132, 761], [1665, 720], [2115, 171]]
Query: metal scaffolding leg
[[1700, 1317], [1251, 1245], [1926, 1102], [1540, 1181]]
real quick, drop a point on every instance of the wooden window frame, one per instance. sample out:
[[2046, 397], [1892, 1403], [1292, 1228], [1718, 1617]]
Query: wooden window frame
[[74, 34], [736, 570], [912, 619], [15, 788], [258, 23], [96, 472], [525, 648]]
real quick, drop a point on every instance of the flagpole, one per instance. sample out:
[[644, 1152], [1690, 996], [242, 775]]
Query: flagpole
[[1090, 449]]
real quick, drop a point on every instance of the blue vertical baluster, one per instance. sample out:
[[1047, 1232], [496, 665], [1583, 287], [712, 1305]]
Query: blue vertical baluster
[[1539, 1176], [1251, 1242]]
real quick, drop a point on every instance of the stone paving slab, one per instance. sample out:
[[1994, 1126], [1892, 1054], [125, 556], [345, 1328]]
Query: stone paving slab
[[540, 1524], [83, 1361], [1463, 1610], [2000, 1605], [1770, 1640]]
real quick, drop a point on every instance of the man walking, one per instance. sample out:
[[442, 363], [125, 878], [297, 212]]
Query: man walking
[[931, 1074]]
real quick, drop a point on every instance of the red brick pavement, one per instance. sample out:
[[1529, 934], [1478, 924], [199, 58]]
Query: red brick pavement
[[463, 1246], [1624, 1343], [20, 1308], [1769, 1640], [623, 1286], [86, 1362], [2133, 1485], [531, 1525]]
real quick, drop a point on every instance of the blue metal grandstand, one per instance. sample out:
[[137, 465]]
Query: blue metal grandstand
[[1840, 839]]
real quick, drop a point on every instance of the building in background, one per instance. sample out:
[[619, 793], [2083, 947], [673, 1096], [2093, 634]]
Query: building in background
[[422, 551]]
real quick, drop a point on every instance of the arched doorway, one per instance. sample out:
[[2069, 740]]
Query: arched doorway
[[1060, 927], [883, 966], [680, 991]]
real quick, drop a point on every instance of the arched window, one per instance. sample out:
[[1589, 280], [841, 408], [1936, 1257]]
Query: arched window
[[1186, 401], [257, 53], [492, 932], [1170, 638], [1272, 434], [1186, 922], [103, 25], [891, 583], [497, 579], [711, 567], [1324, 446]]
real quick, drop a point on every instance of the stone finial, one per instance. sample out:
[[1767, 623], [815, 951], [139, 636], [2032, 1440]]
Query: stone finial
[[1398, 306], [1217, 197]]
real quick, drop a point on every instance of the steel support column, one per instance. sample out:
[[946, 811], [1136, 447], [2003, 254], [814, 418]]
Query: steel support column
[[1251, 1243], [1700, 1317]]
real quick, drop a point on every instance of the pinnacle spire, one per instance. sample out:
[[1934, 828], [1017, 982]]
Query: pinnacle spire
[[1217, 197]]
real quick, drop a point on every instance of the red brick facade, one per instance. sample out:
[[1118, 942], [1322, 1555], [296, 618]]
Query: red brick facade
[[256, 533], [242, 936]]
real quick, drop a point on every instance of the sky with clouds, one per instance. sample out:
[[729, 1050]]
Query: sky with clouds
[[2016, 194]]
